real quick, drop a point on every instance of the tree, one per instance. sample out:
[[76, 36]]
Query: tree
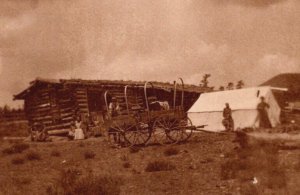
[[230, 86], [221, 88], [204, 81], [240, 84], [6, 109]]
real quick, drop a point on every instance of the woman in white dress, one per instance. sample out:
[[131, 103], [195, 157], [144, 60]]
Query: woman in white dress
[[78, 130]]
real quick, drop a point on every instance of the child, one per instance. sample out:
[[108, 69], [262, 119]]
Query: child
[[78, 133]]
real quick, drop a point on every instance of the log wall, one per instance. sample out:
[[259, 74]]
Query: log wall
[[52, 106]]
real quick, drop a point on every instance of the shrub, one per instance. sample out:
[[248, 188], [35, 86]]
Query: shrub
[[9, 150], [89, 155], [171, 151], [159, 166], [55, 153], [277, 178], [134, 149], [297, 165], [126, 165], [81, 144], [16, 148], [17, 161], [229, 169], [95, 185], [207, 160], [124, 158], [70, 183], [33, 156], [69, 176], [21, 180]]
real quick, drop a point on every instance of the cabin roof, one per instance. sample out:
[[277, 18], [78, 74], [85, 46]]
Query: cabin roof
[[102, 83]]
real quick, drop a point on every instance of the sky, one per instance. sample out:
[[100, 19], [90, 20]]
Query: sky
[[249, 40]]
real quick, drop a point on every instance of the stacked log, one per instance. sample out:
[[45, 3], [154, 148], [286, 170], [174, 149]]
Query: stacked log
[[37, 107], [63, 111], [52, 107], [82, 100]]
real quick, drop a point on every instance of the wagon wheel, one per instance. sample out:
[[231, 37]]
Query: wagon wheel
[[159, 128], [117, 132], [138, 135], [181, 130]]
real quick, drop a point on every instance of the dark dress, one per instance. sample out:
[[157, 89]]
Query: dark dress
[[228, 120], [264, 121]]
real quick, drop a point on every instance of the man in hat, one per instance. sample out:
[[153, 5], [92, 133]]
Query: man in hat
[[228, 120], [114, 108], [262, 108]]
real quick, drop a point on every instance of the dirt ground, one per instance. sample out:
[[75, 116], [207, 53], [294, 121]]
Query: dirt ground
[[208, 164]]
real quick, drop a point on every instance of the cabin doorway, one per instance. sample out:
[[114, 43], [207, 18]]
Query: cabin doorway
[[96, 105], [95, 101]]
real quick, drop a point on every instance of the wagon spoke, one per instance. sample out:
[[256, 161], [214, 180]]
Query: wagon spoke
[[141, 137], [161, 125], [115, 128], [131, 135], [173, 123], [129, 127]]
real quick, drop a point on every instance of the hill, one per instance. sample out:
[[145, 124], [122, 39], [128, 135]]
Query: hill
[[287, 80]]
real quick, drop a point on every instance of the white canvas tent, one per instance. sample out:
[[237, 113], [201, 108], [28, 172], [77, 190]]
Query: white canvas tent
[[208, 109]]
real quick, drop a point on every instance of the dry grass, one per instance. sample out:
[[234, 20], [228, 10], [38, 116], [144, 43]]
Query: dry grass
[[14, 128], [159, 165], [170, 175], [15, 148], [32, 155], [89, 155], [171, 151], [255, 158]]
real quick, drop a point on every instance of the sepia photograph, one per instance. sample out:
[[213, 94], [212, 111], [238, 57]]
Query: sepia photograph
[[187, 97]]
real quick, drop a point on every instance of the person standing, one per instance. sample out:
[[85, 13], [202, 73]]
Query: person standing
[[114, 107], [78, 132], [228, 120], [262, 108]]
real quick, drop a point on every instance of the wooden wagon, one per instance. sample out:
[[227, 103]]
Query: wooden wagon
[[139, 125]]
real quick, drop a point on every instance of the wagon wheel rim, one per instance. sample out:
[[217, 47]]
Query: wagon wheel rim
[[174, 134], [186, 132], [137, 136], [181, 132], [159, 131], [119, 132]]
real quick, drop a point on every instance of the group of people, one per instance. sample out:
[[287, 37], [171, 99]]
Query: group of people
[[262, 108], [38, 133], [80, 129]]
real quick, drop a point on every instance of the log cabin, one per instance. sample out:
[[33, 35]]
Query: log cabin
[[54, 103]]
